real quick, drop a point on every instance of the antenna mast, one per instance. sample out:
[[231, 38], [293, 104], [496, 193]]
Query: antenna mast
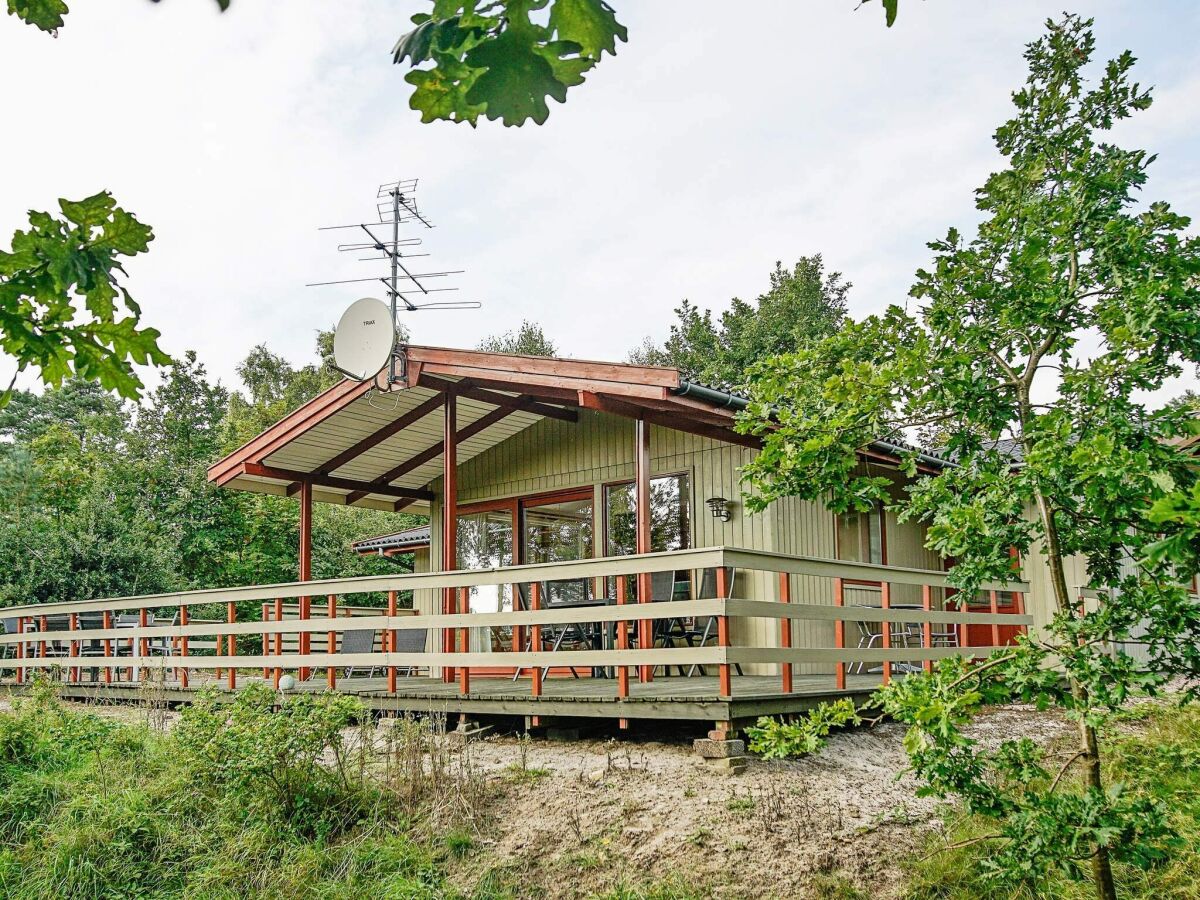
[[396, 205]]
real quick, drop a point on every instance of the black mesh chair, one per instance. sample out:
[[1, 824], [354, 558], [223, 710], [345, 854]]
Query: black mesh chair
[[410, 640], [700, 634], [359, 641]]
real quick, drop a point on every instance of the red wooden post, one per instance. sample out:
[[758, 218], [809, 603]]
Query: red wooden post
[[391, 642], [184, 618], [266, 640], [535, 632], [885, 628], [42, 628], [994, 606], [785, 629], [331, 644], [518, 631], [231, 617], [449, 518], [622, 644], [278, 639], [108, 646], [927, 627], [724, 675], [142, 643], [21, 649], [464, 638], [839, 633], [1019, 603], [303, 640], [641, 457], [73, 647]]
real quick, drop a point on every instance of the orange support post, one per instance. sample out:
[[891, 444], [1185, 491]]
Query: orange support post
[[622, 644], [73, 647], [464, 638], [927, 627], [21, 650], [449, 517], [331, 643], [266, 640], [391, 642], [303, 638], [785, 629], [278, 639], [231, 617], [642, 532], [42, 644], [184, 617], [535, 632], [1019, 605], [839, 633], [108, 647], [304, 641], [885, 628], [723, 670], [994, 606]]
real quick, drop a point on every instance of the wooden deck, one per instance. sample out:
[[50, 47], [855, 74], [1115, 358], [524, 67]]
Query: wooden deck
[[665, 698]]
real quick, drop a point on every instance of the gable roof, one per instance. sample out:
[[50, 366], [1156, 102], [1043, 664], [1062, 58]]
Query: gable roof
[[365, 445]]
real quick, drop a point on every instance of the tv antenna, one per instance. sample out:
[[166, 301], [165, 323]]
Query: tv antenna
[[395, 205]]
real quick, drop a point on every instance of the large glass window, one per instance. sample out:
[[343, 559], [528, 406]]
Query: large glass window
[[860, 536], [670, 515], [560, 531], [485, 541]]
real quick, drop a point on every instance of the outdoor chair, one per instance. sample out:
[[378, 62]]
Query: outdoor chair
[[164, 646], [708, 591], [409, 640], [92, 647], [361, 640], [10, 627]]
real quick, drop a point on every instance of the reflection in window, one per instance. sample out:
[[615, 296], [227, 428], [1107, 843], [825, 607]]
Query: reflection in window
[[860, 536], [560, 532], [670, 522], [485, 541]]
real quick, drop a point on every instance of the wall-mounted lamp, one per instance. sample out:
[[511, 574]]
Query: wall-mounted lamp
[[719, 507]]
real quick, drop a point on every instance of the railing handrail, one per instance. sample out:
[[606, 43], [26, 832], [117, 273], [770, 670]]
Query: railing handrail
[[602, 567]]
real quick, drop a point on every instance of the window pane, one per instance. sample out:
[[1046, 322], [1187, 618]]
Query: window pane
[[670, 516], [485, 540], [560, 532], [860, 538]]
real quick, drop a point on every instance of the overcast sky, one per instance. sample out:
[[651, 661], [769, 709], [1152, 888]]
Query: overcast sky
[[723, 137]]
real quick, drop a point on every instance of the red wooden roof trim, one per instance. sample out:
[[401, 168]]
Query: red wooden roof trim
[[620, 407], [523, 381], [290, 426], [593, 370]]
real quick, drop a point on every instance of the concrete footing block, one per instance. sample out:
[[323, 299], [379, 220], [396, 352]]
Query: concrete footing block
[[711, 749], [725, 765], [466, 732]]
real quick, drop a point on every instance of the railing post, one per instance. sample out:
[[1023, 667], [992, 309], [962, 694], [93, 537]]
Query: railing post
[[464, 641], [108, 646], [839, 633], [535, 637], [1019, 605], [622, 644], [391, 641], [143, 644], [266, 640], [278, 639], [645, 626], [42, 643], [73, 647], [185, 616], [21, 649], [724, 675], [231, 617], [303, 641], [785, 630], [994, 606], [927, 626], [331, 643], [518, 631], [885, 628]]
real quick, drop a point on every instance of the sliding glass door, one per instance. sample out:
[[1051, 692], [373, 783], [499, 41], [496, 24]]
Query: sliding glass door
[[559, 529]]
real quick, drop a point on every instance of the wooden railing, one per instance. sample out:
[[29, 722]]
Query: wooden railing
[[77, 648]]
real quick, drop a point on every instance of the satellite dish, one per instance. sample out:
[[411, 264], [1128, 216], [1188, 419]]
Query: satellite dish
[[365, 339]]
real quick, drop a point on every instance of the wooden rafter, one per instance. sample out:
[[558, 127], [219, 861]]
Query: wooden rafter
[[414, 415], [258, 470], [522, 402], [431, 453], [602, 403]]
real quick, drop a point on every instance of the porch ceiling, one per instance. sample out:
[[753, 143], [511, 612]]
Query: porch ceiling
[[362, 445]]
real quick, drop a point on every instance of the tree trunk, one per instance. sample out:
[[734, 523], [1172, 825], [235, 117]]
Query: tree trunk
[[1102, 876]]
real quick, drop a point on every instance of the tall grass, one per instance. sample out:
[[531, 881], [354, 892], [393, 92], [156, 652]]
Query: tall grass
[[1158, 753], [237, 801]]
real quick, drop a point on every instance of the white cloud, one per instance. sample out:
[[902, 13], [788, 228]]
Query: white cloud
[[721, 138]]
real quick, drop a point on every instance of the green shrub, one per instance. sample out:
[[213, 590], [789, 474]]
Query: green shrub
[[775, 739]]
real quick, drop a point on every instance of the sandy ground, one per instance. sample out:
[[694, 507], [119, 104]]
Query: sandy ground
[[597, 814], [575, 818]]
